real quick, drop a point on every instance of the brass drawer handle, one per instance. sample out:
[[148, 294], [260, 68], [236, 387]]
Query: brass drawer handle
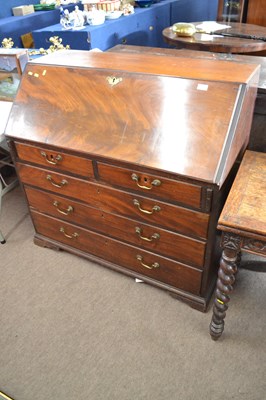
[[155, 236], [51, 160], [154, 208], [72, 236], [69, 209], [155, 182], [59, 185], [154, 265]]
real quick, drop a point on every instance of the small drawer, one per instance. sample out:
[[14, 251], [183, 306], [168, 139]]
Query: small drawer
[[55, 159], [131, 258], [169, 216], [161, 241], [152, 185]]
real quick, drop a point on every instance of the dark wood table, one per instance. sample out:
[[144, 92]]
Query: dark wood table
[[243, 226], [220, 44]]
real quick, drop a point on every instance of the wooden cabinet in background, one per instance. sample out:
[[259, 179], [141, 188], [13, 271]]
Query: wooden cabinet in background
[[128, 160], [256, 12], [247, 11], [231, 10]]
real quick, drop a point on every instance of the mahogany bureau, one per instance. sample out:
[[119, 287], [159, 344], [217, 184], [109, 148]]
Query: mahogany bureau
[[127, 160]]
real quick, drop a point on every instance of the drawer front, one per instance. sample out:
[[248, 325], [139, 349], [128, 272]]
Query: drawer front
[[154, 239], [168, 216], [55, 159], [151, 185], [142, 262]]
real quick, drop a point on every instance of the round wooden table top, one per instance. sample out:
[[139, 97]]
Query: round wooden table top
[[220, 44]]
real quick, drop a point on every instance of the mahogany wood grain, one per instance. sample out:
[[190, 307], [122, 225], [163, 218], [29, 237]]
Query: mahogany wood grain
[[220, 44], [169, 271], [148, 64], [170, 190], [256, 13], [257, 140], [146, 140], [182, 122], [234, 58], [169, 244], [177, 219], [49, 158]]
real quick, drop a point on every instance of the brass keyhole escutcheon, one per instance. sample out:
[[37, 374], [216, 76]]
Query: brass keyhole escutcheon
[[50, 158], [112, 80], [154, 183]]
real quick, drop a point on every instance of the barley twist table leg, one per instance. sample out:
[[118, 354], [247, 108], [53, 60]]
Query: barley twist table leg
[[226, 278]]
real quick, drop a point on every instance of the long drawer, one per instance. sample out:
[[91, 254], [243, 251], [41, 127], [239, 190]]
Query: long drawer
[[161, 241], [143, 262], [178, 219]]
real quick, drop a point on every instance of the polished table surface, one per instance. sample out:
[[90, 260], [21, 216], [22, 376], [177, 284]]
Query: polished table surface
[[220, 44]]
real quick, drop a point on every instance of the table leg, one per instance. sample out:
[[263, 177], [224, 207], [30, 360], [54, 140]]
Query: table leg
[[226, 277]]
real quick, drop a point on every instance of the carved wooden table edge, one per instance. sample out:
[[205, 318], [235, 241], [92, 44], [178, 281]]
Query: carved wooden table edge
[[233, 241]]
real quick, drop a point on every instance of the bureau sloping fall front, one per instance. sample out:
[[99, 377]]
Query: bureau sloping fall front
[[127, 160]]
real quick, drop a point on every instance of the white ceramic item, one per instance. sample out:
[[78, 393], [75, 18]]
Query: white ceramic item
[[95, 17], [113, 14]]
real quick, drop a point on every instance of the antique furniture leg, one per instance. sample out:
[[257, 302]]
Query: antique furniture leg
[[226, 277]]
